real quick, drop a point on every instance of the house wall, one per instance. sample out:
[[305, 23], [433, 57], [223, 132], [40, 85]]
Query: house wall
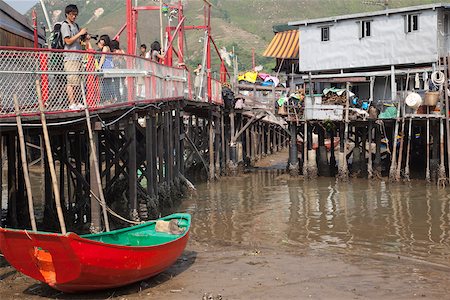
[[387, 45]]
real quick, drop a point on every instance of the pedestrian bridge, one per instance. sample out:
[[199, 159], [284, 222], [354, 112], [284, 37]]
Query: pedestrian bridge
[[30, 75]]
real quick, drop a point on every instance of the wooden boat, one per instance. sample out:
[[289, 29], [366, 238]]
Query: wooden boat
[[73, 263]]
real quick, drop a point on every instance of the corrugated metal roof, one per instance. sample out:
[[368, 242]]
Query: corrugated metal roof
[[284, 45], [371, 14]]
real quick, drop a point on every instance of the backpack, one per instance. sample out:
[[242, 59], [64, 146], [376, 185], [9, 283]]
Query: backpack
[[56, 38]]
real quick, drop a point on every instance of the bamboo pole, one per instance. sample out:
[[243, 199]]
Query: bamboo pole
[[51, 164], [427, 170], [447, 124], [402, 135], [442, 180], [343, 168], [394, 144], [24, 164], [161, 34], [94, 158]]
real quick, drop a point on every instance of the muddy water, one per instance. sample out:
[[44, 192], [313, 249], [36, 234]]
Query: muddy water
[[268, 208]]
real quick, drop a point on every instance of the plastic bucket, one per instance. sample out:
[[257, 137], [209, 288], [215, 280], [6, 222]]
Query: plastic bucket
[[431, 98], [413, 100]]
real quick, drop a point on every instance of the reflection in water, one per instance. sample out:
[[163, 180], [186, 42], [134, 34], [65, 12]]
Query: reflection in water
[[267, 208]]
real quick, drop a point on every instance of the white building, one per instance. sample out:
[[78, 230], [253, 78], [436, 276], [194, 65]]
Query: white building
[[375, 45]]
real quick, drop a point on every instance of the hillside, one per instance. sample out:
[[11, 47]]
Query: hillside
[[242, 25]]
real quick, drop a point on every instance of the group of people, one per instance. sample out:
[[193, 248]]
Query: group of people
[[74, 37], [155, 52]]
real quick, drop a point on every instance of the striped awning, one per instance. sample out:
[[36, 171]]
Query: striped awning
[[284, 44]]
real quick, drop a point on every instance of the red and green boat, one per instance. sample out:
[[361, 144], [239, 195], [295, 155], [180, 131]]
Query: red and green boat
[[77, 263]]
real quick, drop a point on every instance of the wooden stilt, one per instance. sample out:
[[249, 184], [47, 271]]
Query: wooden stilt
[[442, 179], [95, 160], [132, 170], [369, 160], [50, 161], [447, 109], [400, 152], [211, 149], [12, 179], [393, 168], [408, 150], [25, 164], [427, 170]]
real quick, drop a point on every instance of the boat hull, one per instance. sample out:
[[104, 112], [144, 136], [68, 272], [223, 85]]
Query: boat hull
[[71, 263]]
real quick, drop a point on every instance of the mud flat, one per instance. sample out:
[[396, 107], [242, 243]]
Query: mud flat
[[226, 271]]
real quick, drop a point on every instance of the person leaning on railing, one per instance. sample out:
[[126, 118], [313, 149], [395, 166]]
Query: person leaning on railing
[[72, 61], [108, 95], [119, 63]]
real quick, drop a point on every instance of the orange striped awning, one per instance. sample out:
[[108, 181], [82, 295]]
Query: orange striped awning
[[284, 44]]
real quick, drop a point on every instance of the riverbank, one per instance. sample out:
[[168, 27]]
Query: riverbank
[[265, 235], [246, 272]]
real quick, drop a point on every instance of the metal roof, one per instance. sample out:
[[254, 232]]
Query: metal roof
[[371, 14], [284, 44]]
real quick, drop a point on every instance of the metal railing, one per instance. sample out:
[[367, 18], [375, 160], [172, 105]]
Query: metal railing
[[62, 75]]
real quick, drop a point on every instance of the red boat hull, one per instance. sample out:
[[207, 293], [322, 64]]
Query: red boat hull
[[70, 263]]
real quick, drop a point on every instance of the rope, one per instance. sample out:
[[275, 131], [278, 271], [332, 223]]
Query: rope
[[113, 213], [438, 78]]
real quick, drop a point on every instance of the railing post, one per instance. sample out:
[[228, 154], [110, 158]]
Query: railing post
[[44, 77], [92, 82]]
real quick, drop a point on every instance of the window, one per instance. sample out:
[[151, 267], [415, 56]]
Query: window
[[411, 23], [365, 29], [325, 34]]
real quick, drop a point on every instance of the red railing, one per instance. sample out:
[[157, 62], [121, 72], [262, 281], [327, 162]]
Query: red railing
[[62, 75]]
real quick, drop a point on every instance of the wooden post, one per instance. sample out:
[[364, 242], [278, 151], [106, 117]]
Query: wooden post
[[369, 161], [377, 162], [95, 188], [23, 156], [248, 144], [217, 144], [427, 170], [408, 148], [160, 143], [170, 145], [223, 141], [312, 162], [211, 149], [442, 179], [394, 138], [50, 161], [181, 132], [176, 136], [12, 178], [154, 147], [95, 165], [132, 169], [149, 155], [447, 108], [293, 151], [305, 149]]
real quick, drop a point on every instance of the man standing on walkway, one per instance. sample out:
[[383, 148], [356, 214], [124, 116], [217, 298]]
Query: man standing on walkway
[[71, 34]]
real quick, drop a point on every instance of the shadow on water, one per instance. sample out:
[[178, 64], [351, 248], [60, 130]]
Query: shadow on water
[[182, 264]]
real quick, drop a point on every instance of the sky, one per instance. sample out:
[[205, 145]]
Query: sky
[[21, 6]]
